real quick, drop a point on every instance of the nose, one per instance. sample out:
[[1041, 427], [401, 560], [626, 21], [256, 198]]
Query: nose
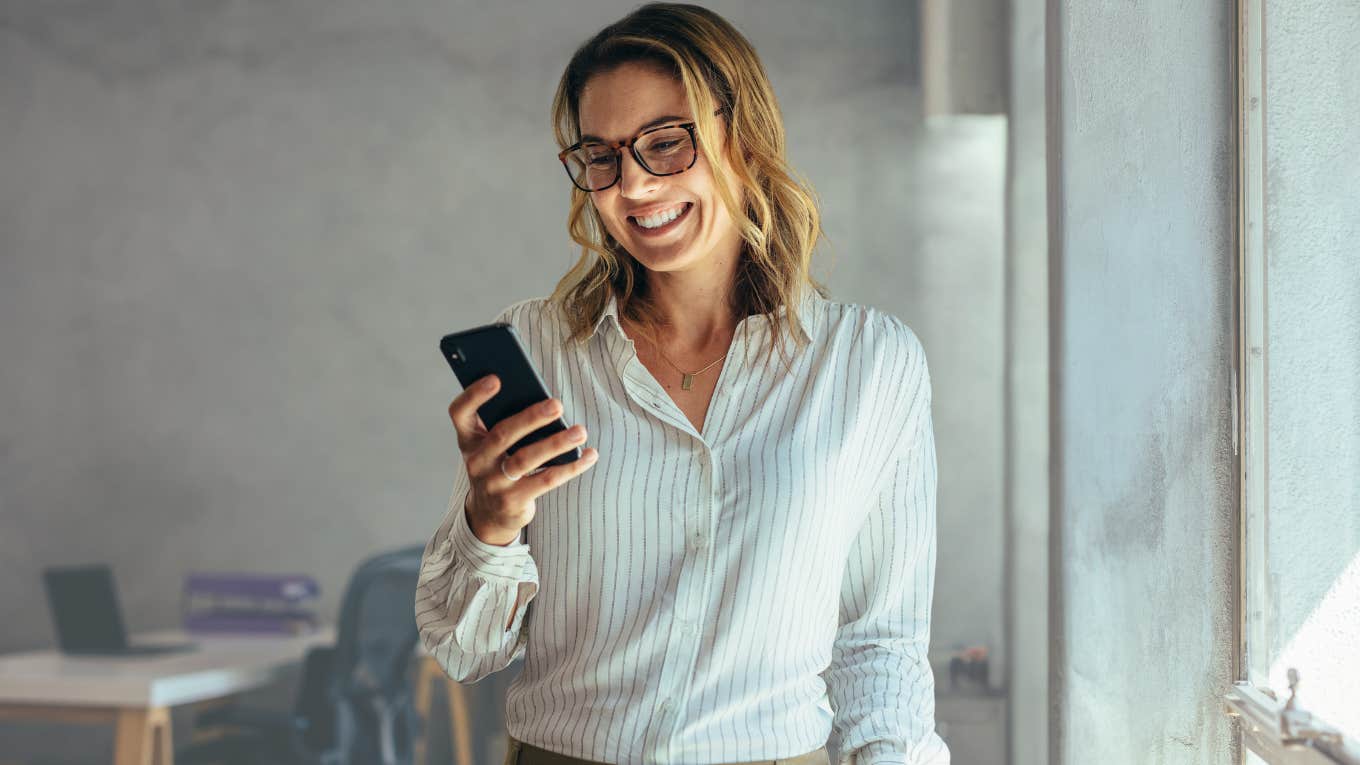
[[634, 181]]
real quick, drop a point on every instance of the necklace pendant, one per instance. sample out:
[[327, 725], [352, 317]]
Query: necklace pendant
[[687, 382]]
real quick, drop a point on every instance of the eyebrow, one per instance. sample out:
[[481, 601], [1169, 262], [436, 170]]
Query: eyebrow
[[652, 124]]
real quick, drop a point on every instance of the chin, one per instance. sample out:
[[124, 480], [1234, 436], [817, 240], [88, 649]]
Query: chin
[[675, 261], [667, 255]]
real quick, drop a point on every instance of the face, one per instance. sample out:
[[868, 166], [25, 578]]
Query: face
[[614, 106]]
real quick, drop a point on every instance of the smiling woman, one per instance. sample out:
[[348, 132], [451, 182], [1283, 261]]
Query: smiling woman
[[749, 566], [631, 94]]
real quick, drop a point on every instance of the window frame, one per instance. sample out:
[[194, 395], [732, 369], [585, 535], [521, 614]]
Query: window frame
[[1258, 713]]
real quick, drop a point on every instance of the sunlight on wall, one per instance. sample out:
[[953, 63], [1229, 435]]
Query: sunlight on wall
[[1323, 650]]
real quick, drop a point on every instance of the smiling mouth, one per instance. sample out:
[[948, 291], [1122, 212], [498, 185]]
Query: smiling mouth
[[684, 213]]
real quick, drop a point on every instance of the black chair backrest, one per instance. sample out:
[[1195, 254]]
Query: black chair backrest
[[368, 669]]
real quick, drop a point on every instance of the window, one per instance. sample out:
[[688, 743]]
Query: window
[[1298, 390]]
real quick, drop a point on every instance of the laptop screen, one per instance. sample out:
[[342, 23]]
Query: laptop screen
[[84, 608]]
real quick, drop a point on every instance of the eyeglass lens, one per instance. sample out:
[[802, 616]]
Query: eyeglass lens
[[666, 151]]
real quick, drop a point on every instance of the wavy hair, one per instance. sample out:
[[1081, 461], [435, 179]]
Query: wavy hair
[[777, 214]]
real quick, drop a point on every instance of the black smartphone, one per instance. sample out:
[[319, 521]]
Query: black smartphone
[[496, 349]]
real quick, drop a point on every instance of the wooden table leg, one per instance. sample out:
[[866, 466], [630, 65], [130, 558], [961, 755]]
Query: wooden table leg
[[142, 737], [460, 728], [422, 702]]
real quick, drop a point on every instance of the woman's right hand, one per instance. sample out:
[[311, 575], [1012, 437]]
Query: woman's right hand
[[497, 507]]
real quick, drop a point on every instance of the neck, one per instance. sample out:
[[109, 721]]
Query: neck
[[696, 311], [695, 324]]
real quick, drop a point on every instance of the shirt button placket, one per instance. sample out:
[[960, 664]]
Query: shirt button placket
[[688, 628], [663, 724]]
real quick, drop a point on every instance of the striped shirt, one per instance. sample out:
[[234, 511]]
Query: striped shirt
[[723, 595]]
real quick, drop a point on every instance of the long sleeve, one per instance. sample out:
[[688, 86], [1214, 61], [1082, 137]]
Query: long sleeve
[[879, 680], [466, 591]]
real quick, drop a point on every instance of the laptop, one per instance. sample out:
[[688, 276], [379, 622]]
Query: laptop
[[85, 613]]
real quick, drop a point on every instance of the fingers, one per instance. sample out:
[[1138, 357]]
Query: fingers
[[463, 410], [551, 478], [516, 498], [530, 457], [509, 431]]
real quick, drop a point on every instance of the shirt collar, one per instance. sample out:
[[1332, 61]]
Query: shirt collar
[[812, 302]]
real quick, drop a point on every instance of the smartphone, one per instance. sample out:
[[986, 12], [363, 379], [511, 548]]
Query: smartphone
[[496, 349]]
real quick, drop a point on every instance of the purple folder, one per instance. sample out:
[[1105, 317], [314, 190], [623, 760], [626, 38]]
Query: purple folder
[[249, 603]]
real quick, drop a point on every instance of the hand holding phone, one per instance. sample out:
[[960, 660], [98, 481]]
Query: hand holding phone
[[505, 413]]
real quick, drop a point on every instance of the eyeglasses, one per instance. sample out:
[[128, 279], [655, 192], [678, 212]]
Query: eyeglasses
[[665, 150]]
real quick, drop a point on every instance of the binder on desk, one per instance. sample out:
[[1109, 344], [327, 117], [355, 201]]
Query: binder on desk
[[244, 603]]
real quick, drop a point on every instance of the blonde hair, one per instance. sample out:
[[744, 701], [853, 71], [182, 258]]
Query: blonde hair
[[777, 216]]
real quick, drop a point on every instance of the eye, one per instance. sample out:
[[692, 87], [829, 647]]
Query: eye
[[595, 155]]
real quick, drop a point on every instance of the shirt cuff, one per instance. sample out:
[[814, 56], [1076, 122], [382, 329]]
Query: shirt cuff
[[484, 559], [886, 753], [879, 753]]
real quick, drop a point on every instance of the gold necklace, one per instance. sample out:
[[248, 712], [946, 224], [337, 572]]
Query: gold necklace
[[687, 379]]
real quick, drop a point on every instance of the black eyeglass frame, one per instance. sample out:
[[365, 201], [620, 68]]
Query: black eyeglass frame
[[617, 148]]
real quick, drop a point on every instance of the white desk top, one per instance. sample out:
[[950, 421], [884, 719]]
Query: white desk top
[[220, 666]]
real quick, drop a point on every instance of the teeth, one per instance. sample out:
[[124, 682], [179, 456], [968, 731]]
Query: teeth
[[660, 219]]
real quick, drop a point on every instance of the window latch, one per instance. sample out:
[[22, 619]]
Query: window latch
[[1298, 726], [1287, 733]]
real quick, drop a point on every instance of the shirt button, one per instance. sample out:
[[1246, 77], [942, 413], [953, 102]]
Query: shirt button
[[697, 542], [687, 628]]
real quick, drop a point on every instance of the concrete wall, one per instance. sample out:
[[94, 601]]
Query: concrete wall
[[1026, 345], [1141, 165], [964, 54], [232, 234], [1312, 195]]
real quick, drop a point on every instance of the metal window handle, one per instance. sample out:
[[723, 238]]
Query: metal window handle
[[1277, 731], [1297, 725]]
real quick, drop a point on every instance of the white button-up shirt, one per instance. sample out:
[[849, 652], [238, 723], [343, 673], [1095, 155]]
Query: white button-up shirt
[[719, 595]]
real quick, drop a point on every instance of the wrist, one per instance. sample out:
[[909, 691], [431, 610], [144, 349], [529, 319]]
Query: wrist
[[490, 536]]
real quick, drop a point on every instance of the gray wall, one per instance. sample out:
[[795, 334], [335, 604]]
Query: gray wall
[[1026, 344], [232, 234], [964, 49], [1141, 166]]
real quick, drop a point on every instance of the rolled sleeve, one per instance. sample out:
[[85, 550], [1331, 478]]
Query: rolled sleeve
[[466, 592], [484, 559]]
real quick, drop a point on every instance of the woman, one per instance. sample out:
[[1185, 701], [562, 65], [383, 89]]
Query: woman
[[750, 564]]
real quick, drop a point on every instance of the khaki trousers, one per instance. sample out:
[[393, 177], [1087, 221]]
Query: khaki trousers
[[520, 753]]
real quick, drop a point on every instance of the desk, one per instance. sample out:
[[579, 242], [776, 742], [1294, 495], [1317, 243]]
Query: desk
[[136, 693]]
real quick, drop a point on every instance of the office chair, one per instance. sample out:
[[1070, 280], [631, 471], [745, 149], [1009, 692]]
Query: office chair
[[355, 701]]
